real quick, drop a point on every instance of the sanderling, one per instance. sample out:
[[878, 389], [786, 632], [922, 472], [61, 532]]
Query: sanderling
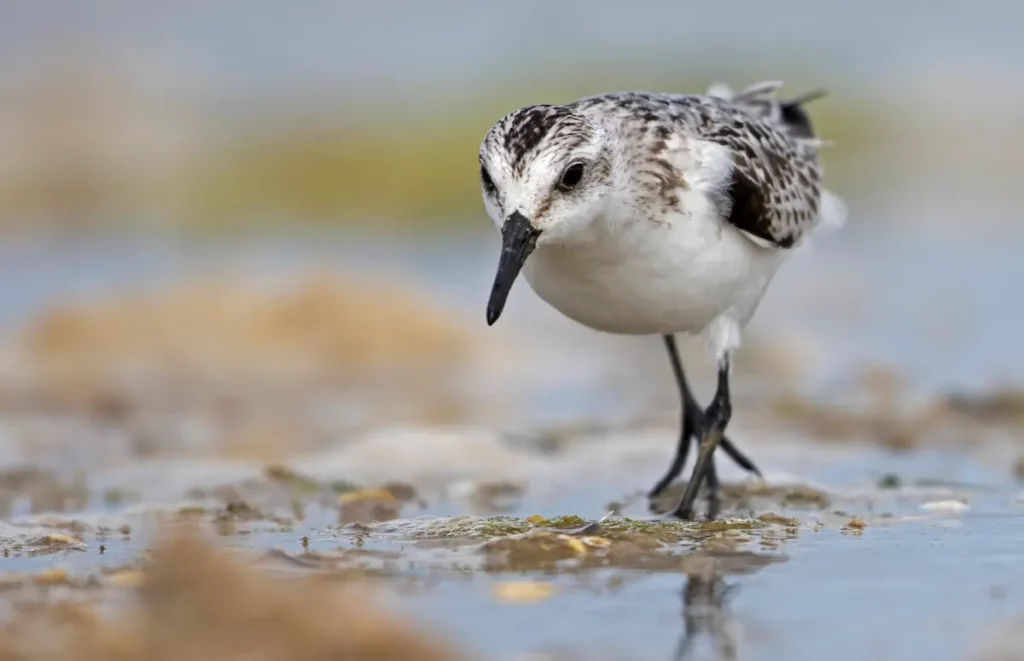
[[645, 213]]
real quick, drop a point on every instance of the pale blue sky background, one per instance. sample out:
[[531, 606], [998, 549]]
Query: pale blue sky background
[[279, 52]]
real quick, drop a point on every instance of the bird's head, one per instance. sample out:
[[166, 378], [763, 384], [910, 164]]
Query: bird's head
[[545, 172]]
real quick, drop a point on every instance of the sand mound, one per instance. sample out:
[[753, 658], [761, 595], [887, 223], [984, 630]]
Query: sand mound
[[228, 337], [198, 603]]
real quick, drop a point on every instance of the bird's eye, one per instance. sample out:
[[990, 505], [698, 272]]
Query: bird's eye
[[571, 177], [485, 179]]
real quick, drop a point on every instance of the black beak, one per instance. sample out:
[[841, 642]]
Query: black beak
[[518, 239]]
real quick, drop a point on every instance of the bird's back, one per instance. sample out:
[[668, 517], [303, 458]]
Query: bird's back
[[760, 100], [754, 156]]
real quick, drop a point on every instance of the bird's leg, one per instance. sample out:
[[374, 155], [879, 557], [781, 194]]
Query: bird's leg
[[716, 418], [741, 459], [691, 418], [714, 491], [692, 423]]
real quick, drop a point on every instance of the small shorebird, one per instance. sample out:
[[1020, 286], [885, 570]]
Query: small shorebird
[[642, 213]]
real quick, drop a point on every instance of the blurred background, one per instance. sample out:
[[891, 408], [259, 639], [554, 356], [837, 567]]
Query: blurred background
[[236, 234], [249, 196]]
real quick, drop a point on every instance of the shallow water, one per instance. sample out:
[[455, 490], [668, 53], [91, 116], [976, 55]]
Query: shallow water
[[913, 583], [925, 589]]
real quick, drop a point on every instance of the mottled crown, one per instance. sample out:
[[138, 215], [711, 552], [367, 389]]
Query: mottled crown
[[524, 132]]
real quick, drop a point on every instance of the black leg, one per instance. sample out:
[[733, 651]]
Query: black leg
[[714, 491], [741, 459], [691, 426], [691, 419], [716, 418]]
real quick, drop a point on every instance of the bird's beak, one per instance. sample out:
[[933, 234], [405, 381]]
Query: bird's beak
[[518, 239]]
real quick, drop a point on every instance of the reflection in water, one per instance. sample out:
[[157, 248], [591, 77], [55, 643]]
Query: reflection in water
[[704, 611]]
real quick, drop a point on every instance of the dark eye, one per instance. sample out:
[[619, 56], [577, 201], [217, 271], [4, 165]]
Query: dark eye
[[571, 177], [485, 179]]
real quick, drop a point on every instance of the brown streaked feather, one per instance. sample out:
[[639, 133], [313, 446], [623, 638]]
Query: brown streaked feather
[[775, 185]]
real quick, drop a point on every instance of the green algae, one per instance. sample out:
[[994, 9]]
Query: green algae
[[476, 528], [568, 543], [654, 532], [566, 521], [729, 524], [781, 520], [624, 544], [464, 528]]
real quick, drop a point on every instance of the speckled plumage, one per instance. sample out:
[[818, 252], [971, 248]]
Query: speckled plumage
[[638, 246]]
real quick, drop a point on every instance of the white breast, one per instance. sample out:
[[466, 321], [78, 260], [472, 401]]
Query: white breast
[[679, 274]]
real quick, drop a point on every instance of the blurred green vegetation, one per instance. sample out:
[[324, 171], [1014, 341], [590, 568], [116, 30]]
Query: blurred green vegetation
[[377, 175], [419, 169]]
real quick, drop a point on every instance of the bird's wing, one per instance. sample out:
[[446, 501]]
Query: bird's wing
[[764, 182]]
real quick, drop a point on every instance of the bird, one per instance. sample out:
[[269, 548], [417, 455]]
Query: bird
[[657, 214]]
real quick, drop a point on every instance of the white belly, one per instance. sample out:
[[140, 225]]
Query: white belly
[[647, 278]]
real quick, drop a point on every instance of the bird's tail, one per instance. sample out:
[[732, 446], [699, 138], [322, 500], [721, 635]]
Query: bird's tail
[[760, 99]]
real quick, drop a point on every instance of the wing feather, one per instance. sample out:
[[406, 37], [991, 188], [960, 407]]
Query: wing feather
[[773, 189]]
